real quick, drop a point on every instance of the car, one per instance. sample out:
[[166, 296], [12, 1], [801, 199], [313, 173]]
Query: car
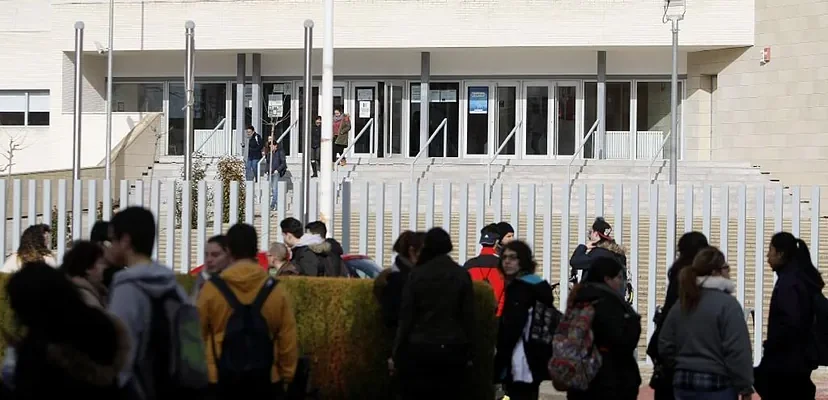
[[361, 266]]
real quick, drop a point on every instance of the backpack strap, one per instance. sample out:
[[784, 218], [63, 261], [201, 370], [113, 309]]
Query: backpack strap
[[225, 291], [264, 292]]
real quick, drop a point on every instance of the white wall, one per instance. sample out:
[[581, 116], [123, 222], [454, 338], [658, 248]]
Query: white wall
[[159, 25]]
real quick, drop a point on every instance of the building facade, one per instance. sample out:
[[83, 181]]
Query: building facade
[[515, 78]]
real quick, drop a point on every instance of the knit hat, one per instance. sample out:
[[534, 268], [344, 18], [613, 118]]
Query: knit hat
[[602, 228]]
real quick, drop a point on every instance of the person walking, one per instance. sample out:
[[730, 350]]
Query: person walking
[[35, 243], [341, 130], [84, 264], [216, 259], [255, 144], [277, 167], [302, 247], [278, 258], [316, 140], [486, 266], [600, 245], [519, 369], [433, 346], [785, 369], [707, 338], [248, 323]]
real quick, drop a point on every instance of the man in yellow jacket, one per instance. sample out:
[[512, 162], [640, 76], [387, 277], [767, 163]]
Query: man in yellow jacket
[[248, 287]]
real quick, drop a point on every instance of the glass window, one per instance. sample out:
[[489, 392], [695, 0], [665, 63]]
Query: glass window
[[653, 117], [617, 109], [209, 106], [137, 97], [22, 108], [443, 104]]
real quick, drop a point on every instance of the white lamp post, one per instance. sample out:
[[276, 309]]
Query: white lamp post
[[674, 12]]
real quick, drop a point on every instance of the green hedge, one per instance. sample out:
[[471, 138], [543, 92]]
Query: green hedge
[[340, 328]]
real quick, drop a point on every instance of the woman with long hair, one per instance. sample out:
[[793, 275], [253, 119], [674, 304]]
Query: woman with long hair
[[785, 369], [389, 285], [68, 347], [433, 346], [688, 246], [706, 338], [516, 366], [84, 264], [34, 247], [616, 329]]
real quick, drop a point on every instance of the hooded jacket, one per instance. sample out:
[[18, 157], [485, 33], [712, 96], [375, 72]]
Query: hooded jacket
[[245, 278], [93, 296], [582, 259], [313, 252], [130, 301]]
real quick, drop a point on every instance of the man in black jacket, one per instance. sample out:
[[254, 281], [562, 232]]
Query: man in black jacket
[[301, 246], [277, 167], [316, 140], [255, 144]]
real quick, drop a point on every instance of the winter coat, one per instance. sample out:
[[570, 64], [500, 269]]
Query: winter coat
[[485, 268], [582, 259], [390, 295], [255, 144], [92, 295], [279, 165], [616, 328], [341, 130], [313, 253], [316, 137]]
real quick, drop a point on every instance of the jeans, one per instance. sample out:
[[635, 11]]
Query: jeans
[[274, 192], [726, 394], [251, 169]]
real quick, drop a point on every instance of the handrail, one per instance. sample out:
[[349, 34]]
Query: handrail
[[442, 127], [655, 156], [580, 149], [282, 136], [213, 132], [356, 138], [499, 149], [279, 140]]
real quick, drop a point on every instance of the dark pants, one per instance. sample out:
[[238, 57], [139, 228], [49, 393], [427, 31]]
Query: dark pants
[[274, 391], [434, 372], [338, 149], [778, 385], [315, 160], [522, 391]]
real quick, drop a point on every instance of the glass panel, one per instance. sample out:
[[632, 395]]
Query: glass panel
[[537, 120], [565, 120], [12, 101], [477, 120], [414, 121], [365, 110], [314, 113], [137, 97], [209, 105], [275, 125], [395, 119], [653, 117], [617, 109], [12, 118], [39, 101], [248, 112], [506, 113], [38, 118], [442, 105], [590, 114]]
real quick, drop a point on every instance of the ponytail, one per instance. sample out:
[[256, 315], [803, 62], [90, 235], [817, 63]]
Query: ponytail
[[689, 290], [803, 255]]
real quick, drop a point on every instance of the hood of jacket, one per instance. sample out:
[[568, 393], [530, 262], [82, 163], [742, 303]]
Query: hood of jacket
[[323, 247], [717, 283], [93, 295], [154, 278], [246, 276], [613, 247], [309, 239], [79, 366]]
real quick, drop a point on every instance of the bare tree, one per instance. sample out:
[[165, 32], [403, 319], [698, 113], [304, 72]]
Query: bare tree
[[16, 143]]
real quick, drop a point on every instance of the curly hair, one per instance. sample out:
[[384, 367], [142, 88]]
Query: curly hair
[[33, 246]]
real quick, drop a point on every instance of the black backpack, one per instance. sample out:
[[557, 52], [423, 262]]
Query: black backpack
[[818, 343], [537, 342], [331, 266], [247, 350]]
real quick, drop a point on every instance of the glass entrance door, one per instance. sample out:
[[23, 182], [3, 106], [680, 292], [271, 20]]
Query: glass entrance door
[[392, 115], [480, 117], [506, 118], [298, 120], [551, 124], [566, 119], [364, 111]]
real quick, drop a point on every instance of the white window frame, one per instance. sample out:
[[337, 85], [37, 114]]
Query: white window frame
[[26, 106]]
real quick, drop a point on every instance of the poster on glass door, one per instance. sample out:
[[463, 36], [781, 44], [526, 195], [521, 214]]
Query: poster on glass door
[[479, 100]]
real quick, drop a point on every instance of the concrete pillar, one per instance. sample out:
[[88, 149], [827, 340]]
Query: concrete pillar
[[240, 144], [601, 109], [425, 78], [257, 93]]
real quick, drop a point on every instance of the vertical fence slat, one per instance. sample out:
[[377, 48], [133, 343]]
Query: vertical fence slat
[[124, 193], [635, 207], [688, 208], [599, 200], [155, 207], [186, 227], [17, 213], [514, 210], [313, 202], [672, 216], [618, 209], [815, 224], [106, 212], [429, 218], [46, 189], [32, 200], [582, 215], [724, 203], [249, 201], [480, 212], [759, 280], [464, 223], [233, 218], [3, 248], [796, 211], [447, 188], [201, 226], [396, 211], [281, 205], [741, 245], [364, 200], [707, 210], [547, 231], [264, 210], [778, 213], [169, 256], [566, 197], [138, 197], [61, 220], [218, 207], [530, 216], [497, 202], [653, 263], [345, 217], [77, 209], [296, 208], [379, 237], [91, 204], [413, 206]]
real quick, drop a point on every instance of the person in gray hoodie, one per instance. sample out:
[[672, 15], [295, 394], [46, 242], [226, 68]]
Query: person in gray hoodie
[[132, 237], [706, 337]]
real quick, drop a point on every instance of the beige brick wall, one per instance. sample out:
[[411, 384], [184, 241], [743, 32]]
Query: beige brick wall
[[774, 115]]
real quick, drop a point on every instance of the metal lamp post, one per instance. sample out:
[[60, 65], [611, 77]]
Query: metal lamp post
[[307, 122], [326, 205], [674, 12], [109, 91], [78, 106], [189, 29]]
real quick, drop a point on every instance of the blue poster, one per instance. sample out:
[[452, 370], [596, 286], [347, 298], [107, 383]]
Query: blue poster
[[479, 100]]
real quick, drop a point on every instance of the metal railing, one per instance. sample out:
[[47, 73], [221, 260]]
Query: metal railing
[[579, 151], [278, 140], [210, 136], [440, 127], [500, 149], [364, 129], [655, 156]]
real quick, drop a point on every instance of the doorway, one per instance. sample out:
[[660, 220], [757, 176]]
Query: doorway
[[391, 138], [443, 104], [551, 122], [298, 119], [491, 115], [363, 136]]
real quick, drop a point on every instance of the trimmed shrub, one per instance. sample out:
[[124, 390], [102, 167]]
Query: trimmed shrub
[[340, 328], [231, 168]]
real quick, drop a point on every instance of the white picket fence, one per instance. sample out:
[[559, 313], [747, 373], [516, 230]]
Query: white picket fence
[[552, 217]]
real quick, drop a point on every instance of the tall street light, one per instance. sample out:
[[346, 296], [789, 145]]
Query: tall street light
[[109, 92], [674, 12]]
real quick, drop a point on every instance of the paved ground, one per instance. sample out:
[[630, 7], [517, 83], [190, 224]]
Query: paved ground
[[820, 378]]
